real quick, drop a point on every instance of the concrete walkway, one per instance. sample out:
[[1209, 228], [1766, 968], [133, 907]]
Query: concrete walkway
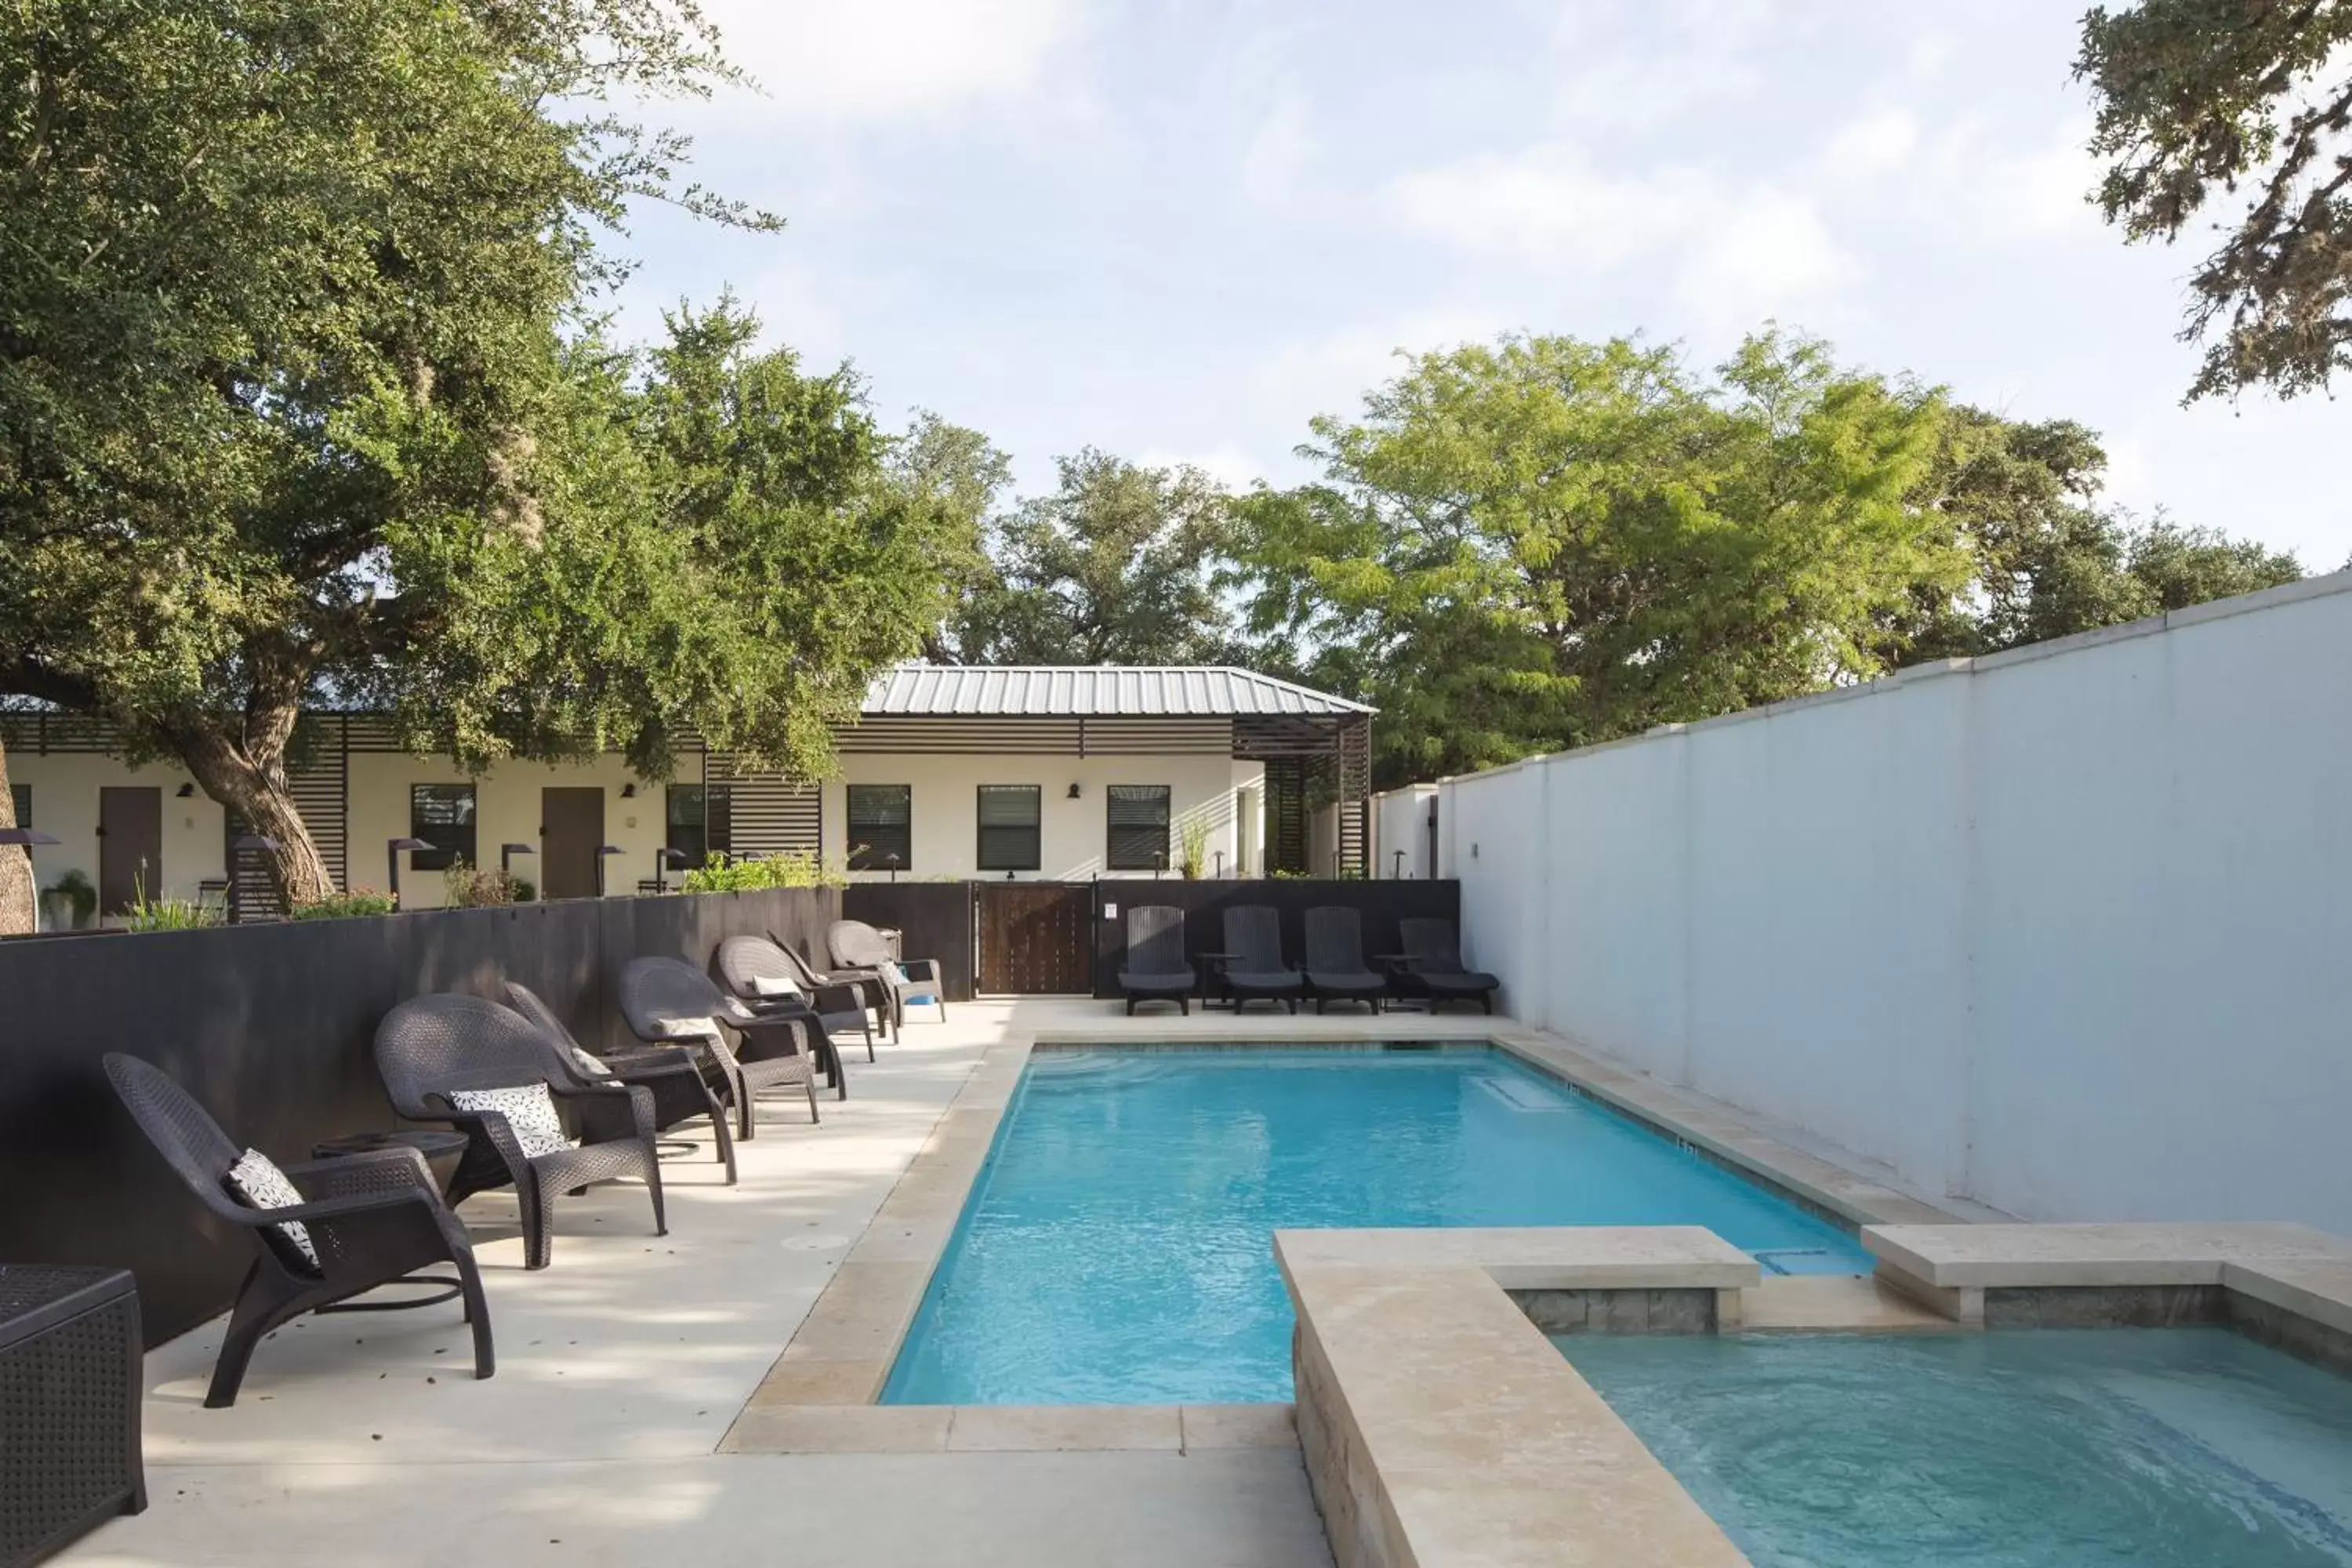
[[363, 1440]]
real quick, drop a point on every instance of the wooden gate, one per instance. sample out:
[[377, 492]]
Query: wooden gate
[[1036, 939]]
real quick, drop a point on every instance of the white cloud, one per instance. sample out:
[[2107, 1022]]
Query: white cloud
[[1879, 142], [1228, 464], [878, 60], [1331, 374], [1766, 252]]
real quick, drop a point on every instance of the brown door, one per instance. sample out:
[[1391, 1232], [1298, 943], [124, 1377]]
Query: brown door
[[1036, 939], [570, 831], [130, 846]]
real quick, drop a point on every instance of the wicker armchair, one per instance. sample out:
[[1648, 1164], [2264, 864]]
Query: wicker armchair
[[372, 1219], [668, 1002], [872, 990], [672, 1076], [430, 1047], [761, 974], [854, 944]]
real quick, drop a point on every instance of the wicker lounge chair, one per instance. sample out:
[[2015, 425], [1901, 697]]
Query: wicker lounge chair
[[372, 1218], [1335, 958], [430, 1048], [1432, 961], [669, 1002], [671, 1076], [856, 946], [761, 973], [873, 990], [1253, 970], [1155, 970]]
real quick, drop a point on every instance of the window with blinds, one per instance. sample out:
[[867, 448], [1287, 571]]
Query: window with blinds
[[442, 815], [1009, 835], [1138, 827], [881, 826]]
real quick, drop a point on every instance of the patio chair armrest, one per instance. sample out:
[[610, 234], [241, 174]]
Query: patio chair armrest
[[388, 1170], [613, 1112], [492, 1125], [337, 1208], [653, 1061], [930, 967]]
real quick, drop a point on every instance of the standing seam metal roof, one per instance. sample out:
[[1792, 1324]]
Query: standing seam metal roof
[[1095, 691]]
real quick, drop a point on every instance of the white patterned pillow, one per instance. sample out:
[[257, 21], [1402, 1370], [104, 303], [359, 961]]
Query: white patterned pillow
[[257, 1179], [775, 985], [529, 1111]]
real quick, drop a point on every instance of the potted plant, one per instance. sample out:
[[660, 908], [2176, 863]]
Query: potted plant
[[1195, 858], [72, 901]]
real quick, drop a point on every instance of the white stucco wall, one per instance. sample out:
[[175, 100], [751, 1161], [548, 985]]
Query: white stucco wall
[[1072, 833], [2067, 931], [65, 803], [1401, 821], [507, 809]]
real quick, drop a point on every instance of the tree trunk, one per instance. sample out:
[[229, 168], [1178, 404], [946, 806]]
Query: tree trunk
[[17, 899], [249, 778]]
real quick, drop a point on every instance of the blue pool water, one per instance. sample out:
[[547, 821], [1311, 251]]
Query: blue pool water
[[1118, 1247], [2029, 1449]]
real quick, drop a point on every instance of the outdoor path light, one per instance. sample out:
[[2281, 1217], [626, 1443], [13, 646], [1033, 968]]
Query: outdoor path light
[[665, 860], [507, 852], [391, 849], [603, 851]]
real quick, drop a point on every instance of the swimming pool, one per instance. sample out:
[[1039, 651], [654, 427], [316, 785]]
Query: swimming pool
[[2017, 1449], [1116, 1248]]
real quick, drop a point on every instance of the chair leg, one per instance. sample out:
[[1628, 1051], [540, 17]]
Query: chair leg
[[252, 1319], [538, 1245], [725, 1138], [477, 1314], [1183, 1005], [653, 1184], [810, 1084]]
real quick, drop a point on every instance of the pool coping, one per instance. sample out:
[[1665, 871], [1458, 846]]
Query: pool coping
[[820, 1394]]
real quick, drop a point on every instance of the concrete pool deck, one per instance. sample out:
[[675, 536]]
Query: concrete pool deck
[[622, 1368]]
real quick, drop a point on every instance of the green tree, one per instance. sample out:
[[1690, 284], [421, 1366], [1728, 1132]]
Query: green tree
[[281, 285], [959, 477], [1117, 566], [1547, 542], [2022, 501], [2200, 97]]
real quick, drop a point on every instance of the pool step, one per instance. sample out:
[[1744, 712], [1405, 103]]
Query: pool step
[[1533, 1098]]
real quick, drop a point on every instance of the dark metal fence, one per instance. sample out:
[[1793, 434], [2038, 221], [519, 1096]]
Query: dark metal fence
[[272, 1027], [1379, 906]]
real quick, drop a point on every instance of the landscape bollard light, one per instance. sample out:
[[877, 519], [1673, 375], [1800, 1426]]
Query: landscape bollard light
[[392, 861], [507, 852], [667, 859], [603, 853]]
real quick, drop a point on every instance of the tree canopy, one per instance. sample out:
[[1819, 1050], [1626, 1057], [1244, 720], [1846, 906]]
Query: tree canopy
[[2245, 104], [1117, 565], [1547, 542], [284, 295]]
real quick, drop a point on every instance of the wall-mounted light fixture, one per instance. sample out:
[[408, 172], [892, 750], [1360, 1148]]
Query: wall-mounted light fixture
[[185, 791], [629, 791], [1076, 790]]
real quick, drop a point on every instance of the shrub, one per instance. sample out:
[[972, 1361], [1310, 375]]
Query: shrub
[[526, 891], [75, 888], [477, 887], [344, 906], [786, 869], [1194, 858]]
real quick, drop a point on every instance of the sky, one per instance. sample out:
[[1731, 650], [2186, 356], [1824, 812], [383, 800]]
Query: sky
[[1179, 230]]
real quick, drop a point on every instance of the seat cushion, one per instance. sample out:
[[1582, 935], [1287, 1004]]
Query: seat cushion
[[258, 1183], [529, 1111]]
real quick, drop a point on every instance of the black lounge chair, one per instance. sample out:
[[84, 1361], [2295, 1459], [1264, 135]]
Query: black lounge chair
[[762, 975], [856, 946], [1253, 970], [672, 1076], [668, 1002], [430, 1048], [372, 1219], [1335, 958], [1155, 970], [1432, 962], [873, 990]]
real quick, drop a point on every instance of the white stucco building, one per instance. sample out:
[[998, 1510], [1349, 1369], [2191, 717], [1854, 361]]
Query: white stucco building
[[1033, 772]]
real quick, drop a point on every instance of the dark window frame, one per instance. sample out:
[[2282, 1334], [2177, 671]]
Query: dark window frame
[[450, 839], [870, 840], [1014, 852], [1159, 857], [713, 829]]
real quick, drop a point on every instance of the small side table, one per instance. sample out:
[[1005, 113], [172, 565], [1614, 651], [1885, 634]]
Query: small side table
[[442, 1150], [70, 1391]]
